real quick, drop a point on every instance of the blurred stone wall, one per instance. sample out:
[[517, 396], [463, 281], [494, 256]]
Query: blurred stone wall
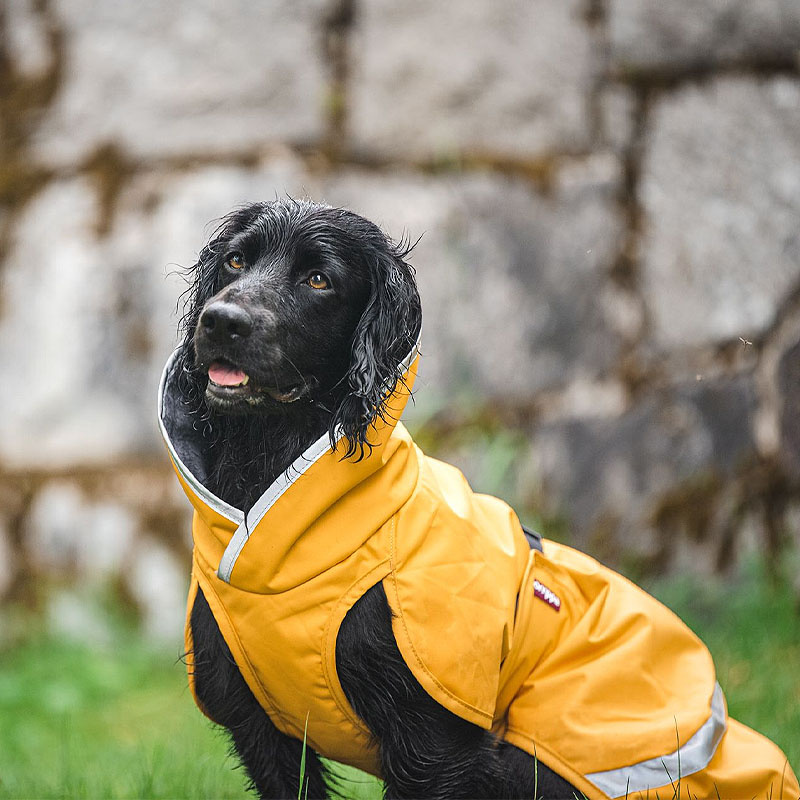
[[608, 194]]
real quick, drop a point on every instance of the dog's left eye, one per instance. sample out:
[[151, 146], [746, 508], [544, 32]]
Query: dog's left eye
[[234, 261], [318, 281]]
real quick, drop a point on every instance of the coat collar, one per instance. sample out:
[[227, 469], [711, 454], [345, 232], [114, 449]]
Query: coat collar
[[296, 499]]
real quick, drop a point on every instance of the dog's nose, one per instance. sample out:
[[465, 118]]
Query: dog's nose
[[223, 322]]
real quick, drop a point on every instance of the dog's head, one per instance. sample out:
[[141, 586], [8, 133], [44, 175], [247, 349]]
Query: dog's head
[[294, 304]]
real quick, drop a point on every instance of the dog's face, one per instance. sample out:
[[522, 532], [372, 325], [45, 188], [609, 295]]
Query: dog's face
[[281, 325], [296, 303]]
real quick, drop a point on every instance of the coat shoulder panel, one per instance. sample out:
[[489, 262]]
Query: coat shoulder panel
[[457, 564]]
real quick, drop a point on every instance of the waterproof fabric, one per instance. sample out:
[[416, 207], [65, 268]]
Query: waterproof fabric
[[557, 654]]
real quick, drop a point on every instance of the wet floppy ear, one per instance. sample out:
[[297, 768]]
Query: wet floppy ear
[[202, 278], [385, 334]]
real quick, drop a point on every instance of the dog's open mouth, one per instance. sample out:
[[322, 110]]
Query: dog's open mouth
[[226, 381]]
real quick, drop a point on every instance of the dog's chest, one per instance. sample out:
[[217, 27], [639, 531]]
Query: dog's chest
[[284, 645]]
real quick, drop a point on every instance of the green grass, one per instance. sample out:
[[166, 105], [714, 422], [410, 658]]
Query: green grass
[[118, 722], [113, 722]]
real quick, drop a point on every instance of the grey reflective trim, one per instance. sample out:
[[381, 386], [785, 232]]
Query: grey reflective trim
[[279, 486], [274, 490], [663, 770], [265, 502], [406, 363], [210, 499]]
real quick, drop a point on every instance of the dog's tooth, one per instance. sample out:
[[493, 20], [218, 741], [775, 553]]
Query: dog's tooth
[[245, 381]]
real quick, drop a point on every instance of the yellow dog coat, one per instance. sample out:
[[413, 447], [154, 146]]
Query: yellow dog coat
[[555, 653]]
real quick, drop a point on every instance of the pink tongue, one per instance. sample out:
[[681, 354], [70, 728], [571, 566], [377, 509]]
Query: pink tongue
[[225, 376]]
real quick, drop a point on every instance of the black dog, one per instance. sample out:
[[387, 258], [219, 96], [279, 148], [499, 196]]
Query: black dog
[[301, 314]]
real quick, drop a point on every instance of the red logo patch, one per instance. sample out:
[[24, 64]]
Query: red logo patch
[[549, 597]]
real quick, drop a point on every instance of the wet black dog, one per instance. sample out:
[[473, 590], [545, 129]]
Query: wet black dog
[[297, 317]]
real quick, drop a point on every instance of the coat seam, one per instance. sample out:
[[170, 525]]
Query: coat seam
[[203, 579], [393, 561], [330, 674]]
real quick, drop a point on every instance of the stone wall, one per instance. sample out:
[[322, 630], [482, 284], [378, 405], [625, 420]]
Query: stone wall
[[608, 193]]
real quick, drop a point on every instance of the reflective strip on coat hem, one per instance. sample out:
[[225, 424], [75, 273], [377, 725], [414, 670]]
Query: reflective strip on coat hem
[[692, 757]]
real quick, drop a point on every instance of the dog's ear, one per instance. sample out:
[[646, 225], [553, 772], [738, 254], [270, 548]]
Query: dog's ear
[[386, 333]]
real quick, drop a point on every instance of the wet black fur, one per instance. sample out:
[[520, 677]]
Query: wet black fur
[[425, 751]]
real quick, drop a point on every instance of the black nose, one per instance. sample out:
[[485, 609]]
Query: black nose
[[223, 322]]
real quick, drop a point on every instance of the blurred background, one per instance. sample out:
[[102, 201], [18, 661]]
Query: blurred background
[[608, 195]]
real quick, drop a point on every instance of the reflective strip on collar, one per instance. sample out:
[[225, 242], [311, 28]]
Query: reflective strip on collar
[[664, 770], [209, 498], [279, 486], [265, 502]]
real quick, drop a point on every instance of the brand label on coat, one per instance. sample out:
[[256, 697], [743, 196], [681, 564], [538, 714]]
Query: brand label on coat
[[549, 597]]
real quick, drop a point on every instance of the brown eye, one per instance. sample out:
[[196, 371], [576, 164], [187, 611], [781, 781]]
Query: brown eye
[[318, 281], [235, 261]]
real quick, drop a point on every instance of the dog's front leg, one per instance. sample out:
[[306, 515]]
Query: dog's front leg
[[271, 759], [425, 750]]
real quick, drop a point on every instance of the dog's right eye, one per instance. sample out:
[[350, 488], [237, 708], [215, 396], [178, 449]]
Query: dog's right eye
[[318, 281], [234, 261]]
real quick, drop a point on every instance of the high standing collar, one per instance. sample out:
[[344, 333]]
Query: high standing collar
[[316, 481], [177, 430]]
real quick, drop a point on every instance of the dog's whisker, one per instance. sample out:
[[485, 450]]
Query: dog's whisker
[[296, 369], [274, 378]]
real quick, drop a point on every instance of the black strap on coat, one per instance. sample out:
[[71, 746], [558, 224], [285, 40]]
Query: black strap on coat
[[534, 539]]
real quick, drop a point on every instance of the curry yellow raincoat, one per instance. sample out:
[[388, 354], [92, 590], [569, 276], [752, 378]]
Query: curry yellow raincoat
[[554, 652]]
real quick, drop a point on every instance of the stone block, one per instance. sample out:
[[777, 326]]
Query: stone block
[[720, 192], [67, 533], [511, 279], [686, 35], [777, 429], [617, 105], [159, 79], [619, 483], [56, 293], [159, 585], [26, 38], [434, 79], [789, 420]]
